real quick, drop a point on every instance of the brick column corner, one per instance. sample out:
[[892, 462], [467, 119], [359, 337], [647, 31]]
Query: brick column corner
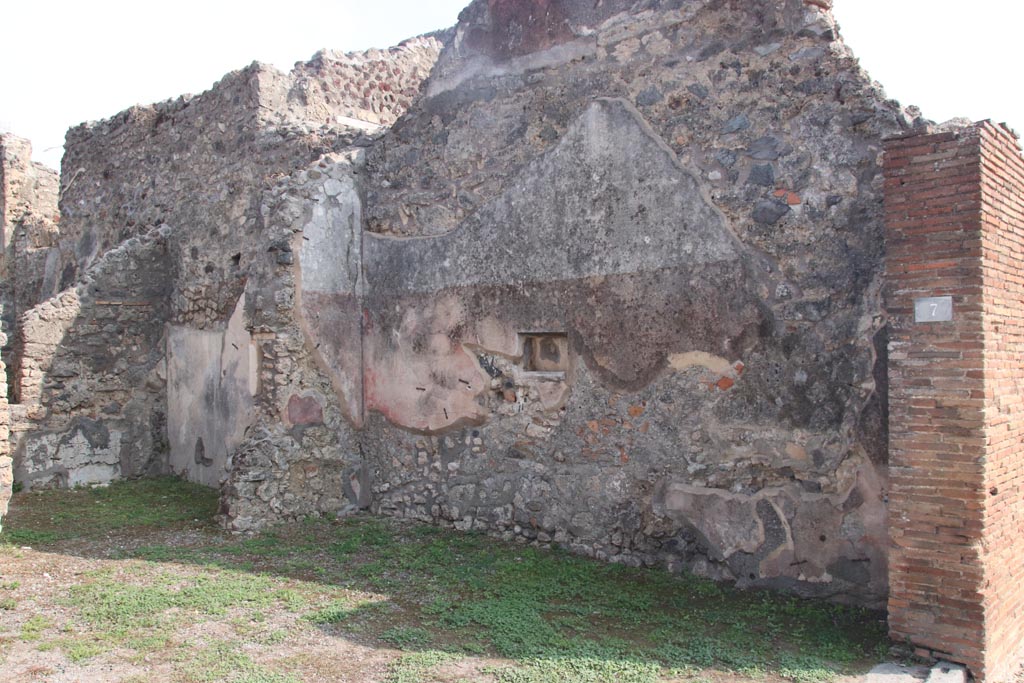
[[955, 299]]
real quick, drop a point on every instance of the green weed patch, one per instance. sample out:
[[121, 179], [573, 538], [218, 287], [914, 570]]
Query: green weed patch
[[436, 595]]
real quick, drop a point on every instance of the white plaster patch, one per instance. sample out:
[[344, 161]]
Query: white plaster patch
[[210, 391], [728, 521], [333, 187], [716, 364], [330, 245], [84, 464]]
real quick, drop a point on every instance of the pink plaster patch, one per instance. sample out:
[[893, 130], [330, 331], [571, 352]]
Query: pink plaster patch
[[305, 410]]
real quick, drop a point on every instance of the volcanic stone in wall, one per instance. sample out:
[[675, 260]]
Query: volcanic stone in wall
[[144, 361], [375, 86], [91, 376], [685, 197], [28, 229]]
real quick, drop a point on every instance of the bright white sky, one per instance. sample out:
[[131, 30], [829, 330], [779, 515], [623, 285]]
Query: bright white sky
[[63, 62]]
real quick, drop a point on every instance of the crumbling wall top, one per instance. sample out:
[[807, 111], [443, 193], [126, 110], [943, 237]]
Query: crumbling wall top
[[28, 189], [28, 227], [376, 86]]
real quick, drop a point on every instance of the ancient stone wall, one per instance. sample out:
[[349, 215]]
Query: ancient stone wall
[[28, 229], [195, 164], [93, 382], [302, 455], [373, 87], [28, 197], [685, 202], [148, 363], [613, 283], [204, 161], [954, 207]]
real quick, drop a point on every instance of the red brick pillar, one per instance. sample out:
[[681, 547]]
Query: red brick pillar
[[1002, 194], [955, 297]]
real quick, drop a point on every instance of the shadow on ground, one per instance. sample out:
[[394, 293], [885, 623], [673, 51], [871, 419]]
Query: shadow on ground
[[440, 605]]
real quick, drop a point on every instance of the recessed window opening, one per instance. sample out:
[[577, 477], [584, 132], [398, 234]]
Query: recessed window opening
[[546, 352]]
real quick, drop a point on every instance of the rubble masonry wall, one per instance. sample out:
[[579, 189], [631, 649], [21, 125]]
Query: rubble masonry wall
[[613, 283], [160, 221]]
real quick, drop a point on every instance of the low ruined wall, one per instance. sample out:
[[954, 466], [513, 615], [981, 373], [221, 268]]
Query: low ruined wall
[[28, 229], [92, 375], [151, 363]]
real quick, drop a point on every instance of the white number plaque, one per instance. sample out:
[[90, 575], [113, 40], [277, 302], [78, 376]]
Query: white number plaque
[[935, 309]]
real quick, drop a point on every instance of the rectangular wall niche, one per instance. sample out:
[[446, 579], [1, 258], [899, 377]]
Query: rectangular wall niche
[[546, 352]]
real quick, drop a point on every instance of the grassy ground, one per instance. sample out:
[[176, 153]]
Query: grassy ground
[[134, 583]]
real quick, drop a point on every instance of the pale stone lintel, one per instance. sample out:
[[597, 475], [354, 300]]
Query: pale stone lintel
[[692, 359], [358, 124]]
